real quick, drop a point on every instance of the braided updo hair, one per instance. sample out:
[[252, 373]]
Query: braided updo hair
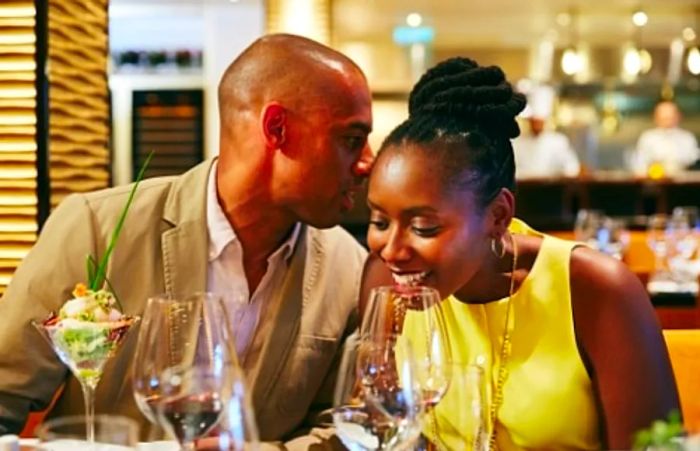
[[463, 114]]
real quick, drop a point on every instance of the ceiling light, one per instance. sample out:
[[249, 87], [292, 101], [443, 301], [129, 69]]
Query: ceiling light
[[414, 20], [564, 19], [640, 18], [571, 61], [694, 61], [645, 61], [689, 34], [632, 61]]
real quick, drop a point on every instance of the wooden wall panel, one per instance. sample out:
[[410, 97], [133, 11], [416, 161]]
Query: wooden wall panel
[[18, 198], [78, 97], [78, 114]]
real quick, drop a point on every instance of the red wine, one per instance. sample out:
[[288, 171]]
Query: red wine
[[191, 417]]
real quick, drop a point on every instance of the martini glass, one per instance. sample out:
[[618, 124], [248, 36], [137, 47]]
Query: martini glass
[[84, 347]]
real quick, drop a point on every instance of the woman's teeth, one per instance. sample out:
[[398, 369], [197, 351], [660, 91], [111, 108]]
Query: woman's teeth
[[412, 279]]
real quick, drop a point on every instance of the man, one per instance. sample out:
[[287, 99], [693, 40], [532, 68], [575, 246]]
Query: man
[[544, 153], [667, 145], [295, 116]]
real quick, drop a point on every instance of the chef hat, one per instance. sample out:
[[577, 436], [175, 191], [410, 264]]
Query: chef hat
[[540, 99]]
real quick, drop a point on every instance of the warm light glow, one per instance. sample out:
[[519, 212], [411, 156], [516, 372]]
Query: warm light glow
[[414, 20], [645, 60], [564, 19], [694, 61], [571, 62], [17, 38], [17, 66], [303, 17], [689, 34], [640, 18], [632, 62], [17, 93], [23, 118], [17, 11], [18, 146]]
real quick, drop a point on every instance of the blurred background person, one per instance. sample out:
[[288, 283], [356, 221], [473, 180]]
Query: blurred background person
[[542, 152], [666, 146]]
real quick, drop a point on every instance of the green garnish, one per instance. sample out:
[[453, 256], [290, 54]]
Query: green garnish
[[97, 272], [661, 434]]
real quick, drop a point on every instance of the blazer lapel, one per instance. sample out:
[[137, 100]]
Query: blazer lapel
[[284, 329], [185, 245]]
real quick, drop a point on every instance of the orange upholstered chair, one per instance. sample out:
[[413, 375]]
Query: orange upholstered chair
[[684, 349]]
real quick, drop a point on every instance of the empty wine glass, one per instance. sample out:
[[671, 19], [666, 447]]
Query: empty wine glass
[[237, 427], [686, 222], [416, 314], [659, 240], [377, 402], [183, 351], [462, 415], [586, 226]]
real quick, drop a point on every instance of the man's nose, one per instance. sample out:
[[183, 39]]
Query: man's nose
[[363, 165]]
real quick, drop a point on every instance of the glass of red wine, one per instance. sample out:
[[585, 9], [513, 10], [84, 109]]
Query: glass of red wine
[[193, 400], [185, 364]]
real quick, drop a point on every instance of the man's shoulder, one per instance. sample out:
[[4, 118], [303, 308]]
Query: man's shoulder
[[157, 186], [336, 239]]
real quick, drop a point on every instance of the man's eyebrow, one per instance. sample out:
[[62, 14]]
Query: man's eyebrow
[[361, 126]]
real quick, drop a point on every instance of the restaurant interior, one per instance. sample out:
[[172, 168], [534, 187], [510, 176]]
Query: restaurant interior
[[89, 88]]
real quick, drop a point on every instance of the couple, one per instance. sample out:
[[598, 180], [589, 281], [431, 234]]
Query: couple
[[587, 364]]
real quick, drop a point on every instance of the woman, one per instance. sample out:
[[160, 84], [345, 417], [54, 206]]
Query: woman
[[568, 337]]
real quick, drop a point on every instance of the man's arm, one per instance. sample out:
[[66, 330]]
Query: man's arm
[[30, 372]]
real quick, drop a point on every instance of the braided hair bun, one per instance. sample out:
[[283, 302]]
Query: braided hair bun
[[463, 116], [479, 97]]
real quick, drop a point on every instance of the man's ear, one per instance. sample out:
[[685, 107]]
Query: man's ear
[[274, 123], [501, 211]]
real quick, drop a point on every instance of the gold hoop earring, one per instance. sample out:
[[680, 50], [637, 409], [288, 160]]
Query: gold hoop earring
[[498, 253]]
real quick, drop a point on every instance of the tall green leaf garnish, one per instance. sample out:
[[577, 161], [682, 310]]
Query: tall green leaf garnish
[[97, 275]]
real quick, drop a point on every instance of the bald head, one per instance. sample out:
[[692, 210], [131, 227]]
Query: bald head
[[666, 115], [285, 68]]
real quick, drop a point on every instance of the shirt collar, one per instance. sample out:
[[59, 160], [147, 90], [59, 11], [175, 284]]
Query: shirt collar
[[221, 234], [220, 231]]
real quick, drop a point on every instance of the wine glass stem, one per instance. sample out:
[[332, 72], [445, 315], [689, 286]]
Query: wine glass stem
[[89, 397]]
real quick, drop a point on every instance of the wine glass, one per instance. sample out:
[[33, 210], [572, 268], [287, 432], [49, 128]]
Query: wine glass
[[112, 432], [586, 226], [462, 415], [236, 430], [377, 403], [415, 313], [183, 353], [85, 347], [660, 240]]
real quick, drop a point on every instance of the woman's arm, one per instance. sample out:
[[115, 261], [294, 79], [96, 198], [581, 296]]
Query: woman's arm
[[621, 343]]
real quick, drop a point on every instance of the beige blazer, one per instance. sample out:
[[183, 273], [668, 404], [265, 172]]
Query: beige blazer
[[163, 247]]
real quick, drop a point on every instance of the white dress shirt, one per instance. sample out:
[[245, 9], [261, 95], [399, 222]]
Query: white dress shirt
[[225, 274], [674, 148], [547, 155]]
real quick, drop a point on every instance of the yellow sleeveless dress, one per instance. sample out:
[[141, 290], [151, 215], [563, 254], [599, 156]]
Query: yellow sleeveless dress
[[548, 400]]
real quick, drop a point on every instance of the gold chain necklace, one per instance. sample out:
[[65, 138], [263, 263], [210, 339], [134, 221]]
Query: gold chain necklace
[[505, 353]]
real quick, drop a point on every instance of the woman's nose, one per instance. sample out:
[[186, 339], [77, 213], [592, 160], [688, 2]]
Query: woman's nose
[[396, 249]]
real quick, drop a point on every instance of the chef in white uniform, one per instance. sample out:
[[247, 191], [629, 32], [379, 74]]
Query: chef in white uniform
[[540, 152], [666, 144]]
